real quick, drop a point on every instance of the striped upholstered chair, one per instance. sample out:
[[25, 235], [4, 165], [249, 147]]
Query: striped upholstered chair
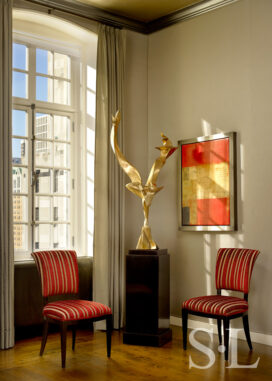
[[59, 276], [233, 272]]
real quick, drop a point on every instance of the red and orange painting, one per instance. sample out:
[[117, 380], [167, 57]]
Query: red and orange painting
[[205, 170]]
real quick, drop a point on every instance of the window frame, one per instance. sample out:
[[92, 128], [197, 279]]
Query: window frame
[[26, 104], [28, 167], [53, 167]]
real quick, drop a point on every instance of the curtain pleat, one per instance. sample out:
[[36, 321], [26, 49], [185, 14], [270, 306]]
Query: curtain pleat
[[6, 223], [109, 255]]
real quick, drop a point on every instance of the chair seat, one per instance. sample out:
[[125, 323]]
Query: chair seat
[[216, 305], [66, 310]]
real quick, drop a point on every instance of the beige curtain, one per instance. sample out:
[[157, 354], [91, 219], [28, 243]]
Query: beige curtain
[[109, 253], [6, 226]]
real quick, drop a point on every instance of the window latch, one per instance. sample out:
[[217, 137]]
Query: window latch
[[34, 177]]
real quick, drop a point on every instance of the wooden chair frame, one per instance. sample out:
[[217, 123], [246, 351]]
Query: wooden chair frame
[[226, 325], [63, 332], [73, 295]]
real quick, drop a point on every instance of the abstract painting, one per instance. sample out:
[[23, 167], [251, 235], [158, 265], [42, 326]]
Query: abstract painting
[[207, 172]]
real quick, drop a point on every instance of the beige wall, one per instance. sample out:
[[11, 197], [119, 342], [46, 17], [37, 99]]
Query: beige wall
[[135, 128], [209, 74]]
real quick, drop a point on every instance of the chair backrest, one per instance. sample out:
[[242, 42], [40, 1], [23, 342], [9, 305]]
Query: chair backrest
[[234, 268], [58, 270]]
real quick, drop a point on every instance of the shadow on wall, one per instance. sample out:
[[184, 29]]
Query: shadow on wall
[[213, 241]]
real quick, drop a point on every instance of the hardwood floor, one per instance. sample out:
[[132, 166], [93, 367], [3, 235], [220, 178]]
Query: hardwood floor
[[127, 362]]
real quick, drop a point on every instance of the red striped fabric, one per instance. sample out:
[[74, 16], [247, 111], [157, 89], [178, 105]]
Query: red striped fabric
[[234, 268], [58, 270], [216, 305], [65, 310]]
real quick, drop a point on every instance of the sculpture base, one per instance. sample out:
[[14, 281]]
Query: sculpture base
[[147, 297]]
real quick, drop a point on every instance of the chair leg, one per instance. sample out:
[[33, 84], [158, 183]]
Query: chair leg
[[63, 335], [246, 329], [226, 337], [184, 313], [109, 332], [219, 331], [73, 337], [45, 334]]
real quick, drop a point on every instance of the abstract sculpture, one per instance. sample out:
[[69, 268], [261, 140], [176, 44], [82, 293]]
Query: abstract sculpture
[[145, 192]]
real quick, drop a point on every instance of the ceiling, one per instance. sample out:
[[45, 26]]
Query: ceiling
[[141, 10]]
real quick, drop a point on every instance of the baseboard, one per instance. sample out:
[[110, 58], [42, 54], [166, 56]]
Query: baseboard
[[256, 337]]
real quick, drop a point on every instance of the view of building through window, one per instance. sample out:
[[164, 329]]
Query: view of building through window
[[41, 155], [53, 136]]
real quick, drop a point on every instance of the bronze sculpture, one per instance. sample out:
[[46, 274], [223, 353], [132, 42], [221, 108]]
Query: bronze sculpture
[[145, 192]]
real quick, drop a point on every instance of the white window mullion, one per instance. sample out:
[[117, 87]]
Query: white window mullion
[[32, 79], [20, 71]]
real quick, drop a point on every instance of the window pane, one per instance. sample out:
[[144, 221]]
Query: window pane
[[42, 235], [20, 208], [43, 153], [90, 245], [44, 61], [43, 181], [44, 89], [61, 127], [90, 140], [62, 66], [43, 208], [90, 103], [20, 232], [61, 208], [19, 122], [61, 155], [19, 180], [43, 126], [61, 92], [61, 181], [90, 166], [90, 193], [61, 238], [20, 57], [19, 151], [19, 84], [91, 78], [90, 219]]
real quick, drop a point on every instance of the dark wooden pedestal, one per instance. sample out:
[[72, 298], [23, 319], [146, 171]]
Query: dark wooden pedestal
[[147, 298]]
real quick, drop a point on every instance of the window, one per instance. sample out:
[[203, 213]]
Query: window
[[42, 149], [53, 131], [53, 122], [20, 71], [52, 173], [20, 174], [53, 82], [90, 146]]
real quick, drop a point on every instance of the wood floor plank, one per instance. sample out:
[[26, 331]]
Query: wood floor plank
[[134, 363]]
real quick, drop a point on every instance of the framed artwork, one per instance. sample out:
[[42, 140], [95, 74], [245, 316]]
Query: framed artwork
[[207, 183]]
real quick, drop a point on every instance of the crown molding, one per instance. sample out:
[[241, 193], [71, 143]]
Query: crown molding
[[186, 13], [86, 11], [96, 14]]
